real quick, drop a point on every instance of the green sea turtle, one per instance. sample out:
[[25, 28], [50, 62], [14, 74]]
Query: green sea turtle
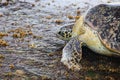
[[98, 29]]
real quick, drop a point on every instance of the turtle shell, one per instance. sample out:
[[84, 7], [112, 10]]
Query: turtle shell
[[105, 19]]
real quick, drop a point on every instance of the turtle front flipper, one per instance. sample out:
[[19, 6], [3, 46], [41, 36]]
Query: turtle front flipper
[[72, 54]]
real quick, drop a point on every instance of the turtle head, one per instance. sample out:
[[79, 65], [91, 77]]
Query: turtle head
[[72, 30], [78, 28], [65, 32]]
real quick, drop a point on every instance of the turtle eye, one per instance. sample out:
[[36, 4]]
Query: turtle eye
[[61, 33]]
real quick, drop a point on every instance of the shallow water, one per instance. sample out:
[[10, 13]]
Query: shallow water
[[36, 51]]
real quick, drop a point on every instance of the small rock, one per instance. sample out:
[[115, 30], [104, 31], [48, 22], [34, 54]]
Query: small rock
[[109, 78], [59, 21], [34, 78], [11, 66], [44, 77], [77, 17], [2, 56], [1, 65], [70, 17], [88, 78], [8, 74], [78, 12], [32, 45], [1, 14], [20, 72], [48, 17], [3, 43]]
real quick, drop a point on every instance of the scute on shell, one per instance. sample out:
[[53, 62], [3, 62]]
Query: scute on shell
[[105, 19]]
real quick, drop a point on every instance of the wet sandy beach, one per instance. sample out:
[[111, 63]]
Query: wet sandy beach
[[30, 49]]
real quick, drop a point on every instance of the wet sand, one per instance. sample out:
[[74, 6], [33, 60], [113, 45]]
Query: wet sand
[[30, 49]]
